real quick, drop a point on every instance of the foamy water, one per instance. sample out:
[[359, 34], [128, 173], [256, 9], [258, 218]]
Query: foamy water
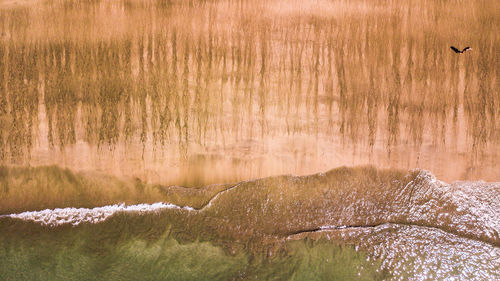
[[465, 208], [417, 226], [76, 216]]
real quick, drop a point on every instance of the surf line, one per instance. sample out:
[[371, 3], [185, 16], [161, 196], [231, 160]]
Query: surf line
[[327, 228], [331, 227], [75, 216]]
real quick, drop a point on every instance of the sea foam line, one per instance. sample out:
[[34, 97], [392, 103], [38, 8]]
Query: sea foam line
[[76, 216]]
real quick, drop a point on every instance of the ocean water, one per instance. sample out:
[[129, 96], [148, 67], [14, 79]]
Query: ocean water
[[182, 140], [345, 224]]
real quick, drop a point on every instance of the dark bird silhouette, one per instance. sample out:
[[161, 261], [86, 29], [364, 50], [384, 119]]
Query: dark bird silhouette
[[458, 51]]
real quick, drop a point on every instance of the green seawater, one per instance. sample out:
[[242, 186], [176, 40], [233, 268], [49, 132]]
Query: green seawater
[[104, 252]]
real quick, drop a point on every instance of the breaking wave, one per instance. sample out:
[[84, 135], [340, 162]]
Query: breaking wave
[[340, 198], [76, 216]]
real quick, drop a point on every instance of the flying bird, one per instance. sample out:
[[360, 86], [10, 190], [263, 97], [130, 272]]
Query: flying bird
[[458, 51]]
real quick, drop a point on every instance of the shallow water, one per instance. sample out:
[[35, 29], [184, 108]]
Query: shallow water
[[202, 92]]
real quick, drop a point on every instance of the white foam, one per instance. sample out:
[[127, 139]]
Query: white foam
[[76, 216], [331, 227]]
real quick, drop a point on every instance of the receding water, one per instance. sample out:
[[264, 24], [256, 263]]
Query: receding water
[[201, 92], [182, 140]]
